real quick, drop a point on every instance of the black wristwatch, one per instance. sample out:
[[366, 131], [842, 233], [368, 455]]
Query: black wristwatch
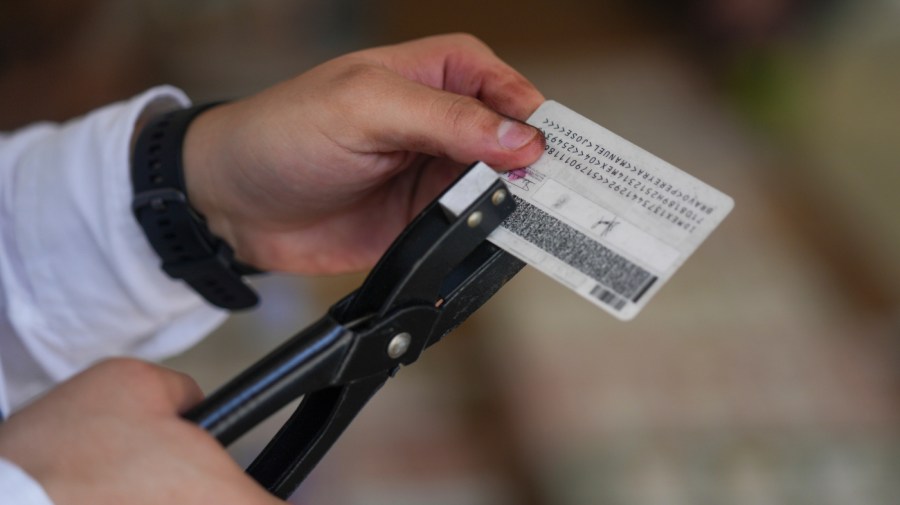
[[179, 234]]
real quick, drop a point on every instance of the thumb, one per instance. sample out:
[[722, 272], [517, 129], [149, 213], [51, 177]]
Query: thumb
[[457, 127]]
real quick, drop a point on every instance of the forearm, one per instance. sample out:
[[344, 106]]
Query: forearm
[[79, 280]]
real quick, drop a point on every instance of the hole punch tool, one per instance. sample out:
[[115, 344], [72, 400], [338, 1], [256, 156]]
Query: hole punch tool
[[436, 274]]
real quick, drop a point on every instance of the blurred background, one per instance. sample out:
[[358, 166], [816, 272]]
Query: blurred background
[[766, 372]]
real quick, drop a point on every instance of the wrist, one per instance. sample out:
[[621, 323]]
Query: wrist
[[205, 167]]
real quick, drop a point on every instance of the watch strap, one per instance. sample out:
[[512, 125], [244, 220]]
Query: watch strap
[[179, 234]]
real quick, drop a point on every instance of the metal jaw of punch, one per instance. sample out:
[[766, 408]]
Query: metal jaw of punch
[[437, 273]]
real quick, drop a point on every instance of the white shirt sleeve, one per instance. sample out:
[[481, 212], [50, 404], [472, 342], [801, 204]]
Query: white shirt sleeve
[[78, 279], [19, 488]]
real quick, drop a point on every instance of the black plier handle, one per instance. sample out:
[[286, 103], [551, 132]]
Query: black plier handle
[[437, 273]]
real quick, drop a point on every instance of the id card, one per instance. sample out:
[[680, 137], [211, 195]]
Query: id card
[[601, 215]]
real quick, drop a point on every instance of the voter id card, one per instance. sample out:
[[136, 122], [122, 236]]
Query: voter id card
[[601, 215]]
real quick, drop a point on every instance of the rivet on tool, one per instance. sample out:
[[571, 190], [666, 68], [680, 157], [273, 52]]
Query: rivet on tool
[[474, 219], [498, 197], [399, 345]]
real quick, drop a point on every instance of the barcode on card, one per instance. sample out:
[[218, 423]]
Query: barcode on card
[[608, 297], [606, 267]]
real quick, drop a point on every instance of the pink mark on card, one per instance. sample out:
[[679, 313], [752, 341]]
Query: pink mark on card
[[515, 175]]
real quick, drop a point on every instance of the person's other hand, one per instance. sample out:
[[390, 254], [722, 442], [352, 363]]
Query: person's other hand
[[113, 435], [320, 173]]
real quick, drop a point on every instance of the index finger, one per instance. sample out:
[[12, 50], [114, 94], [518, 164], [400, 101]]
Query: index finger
[[463, 64]]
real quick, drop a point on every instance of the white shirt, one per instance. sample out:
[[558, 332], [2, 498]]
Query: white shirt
[[78, 279]]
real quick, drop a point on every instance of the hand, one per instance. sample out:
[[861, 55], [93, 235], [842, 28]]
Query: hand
[[320, 173], [113, 435]]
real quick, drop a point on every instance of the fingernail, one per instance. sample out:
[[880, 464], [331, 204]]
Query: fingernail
[[514, 135]]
